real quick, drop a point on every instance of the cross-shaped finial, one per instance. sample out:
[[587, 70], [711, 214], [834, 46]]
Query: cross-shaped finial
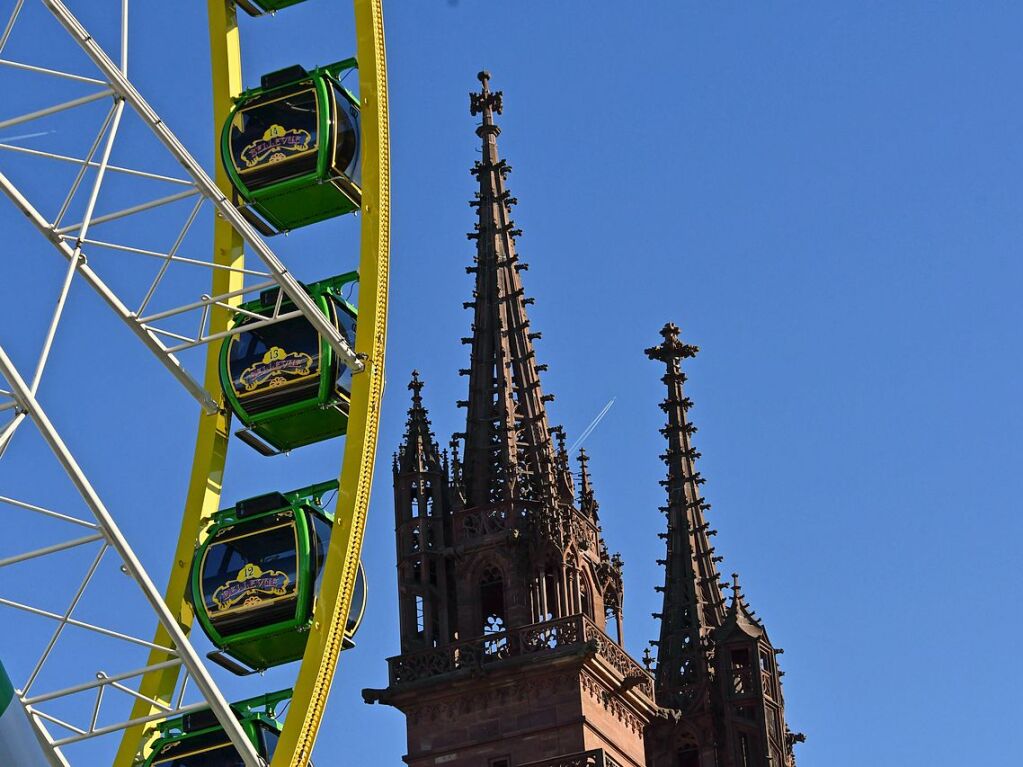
[[415, 385], [672, 348], [486, 100], [648, 659]]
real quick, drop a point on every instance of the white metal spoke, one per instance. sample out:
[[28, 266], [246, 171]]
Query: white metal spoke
[[131, 723], [54, 322], [84, 167], [53, 72], [47, 550], [54, 720], [125, 89], [140, 208], [111, 168], [72, 239], [170, 256], [85, 625], [175, 259], [8, 431], [47, 512], [112, 538], [102, 680], [115, 303], [62, 107], [8, 28], [149, 254], [62, 623]]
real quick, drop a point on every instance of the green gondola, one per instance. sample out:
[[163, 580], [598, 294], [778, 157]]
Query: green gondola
[[284, 382], [198, 740], [259, 7], [292, 148], [256, 575]]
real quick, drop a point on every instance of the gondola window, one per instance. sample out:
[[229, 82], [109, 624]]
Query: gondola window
[[275, 365], [273, 141], [346, 133], [251, 579]]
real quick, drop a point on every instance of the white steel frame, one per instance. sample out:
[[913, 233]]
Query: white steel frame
[[73, 240], [19, 405], [103, 530]]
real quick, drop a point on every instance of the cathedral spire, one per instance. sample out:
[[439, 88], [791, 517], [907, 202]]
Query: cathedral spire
[[418, 451], [509, 454], [693, 602]]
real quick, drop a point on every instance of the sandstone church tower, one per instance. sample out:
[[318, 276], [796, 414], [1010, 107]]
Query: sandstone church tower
[[510, 605]]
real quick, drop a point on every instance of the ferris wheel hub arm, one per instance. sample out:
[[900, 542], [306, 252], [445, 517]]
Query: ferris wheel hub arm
[[144, 334], [116, 540], [124, 89]]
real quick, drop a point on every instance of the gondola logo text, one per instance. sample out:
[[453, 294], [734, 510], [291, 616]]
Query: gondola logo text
[[278, 143], [252, 580], [275, 364]]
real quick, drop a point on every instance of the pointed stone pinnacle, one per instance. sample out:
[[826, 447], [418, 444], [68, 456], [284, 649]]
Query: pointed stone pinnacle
[[415, 385]]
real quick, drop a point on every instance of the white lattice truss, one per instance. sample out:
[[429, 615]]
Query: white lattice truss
[[160, 330]]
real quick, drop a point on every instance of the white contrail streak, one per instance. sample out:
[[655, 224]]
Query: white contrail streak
[[593, 425], [23, 136]]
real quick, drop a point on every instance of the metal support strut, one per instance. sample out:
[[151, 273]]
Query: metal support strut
[[116, 540]]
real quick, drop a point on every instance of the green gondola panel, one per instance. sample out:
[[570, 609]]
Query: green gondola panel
[[284, 382], [259, 7], [198, 740], [292, 148], [256, 575]]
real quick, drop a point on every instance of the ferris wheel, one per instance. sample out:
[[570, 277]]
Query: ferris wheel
[[273, 581]]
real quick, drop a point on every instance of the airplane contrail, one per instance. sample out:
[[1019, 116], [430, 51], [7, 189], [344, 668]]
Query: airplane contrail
[[23, 136], [593, 425]]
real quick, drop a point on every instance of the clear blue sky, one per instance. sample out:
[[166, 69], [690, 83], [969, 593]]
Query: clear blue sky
[[824, 196]]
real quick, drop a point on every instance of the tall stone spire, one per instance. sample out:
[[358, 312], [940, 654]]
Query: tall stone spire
[[418, 452], [693, 602], [422, 521], [509, 454], [717, 679], [505, 584]]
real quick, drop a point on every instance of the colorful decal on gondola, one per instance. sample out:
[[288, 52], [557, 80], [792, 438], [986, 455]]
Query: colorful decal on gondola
[[278, 143], [171, 746], [252, 582], [275, 369]]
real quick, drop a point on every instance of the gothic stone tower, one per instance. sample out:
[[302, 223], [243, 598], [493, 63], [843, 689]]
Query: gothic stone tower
[[717, 678], [505, 583]]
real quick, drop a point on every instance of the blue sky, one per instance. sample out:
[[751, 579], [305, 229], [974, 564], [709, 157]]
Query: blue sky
[[825, 197]]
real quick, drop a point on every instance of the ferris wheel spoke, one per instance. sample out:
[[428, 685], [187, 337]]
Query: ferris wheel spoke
[[38, 611], [70, 239], [126, 90], [55, 109], [9, 428], [91, 164], [144, 257], [52, 72], [9, 26], [83, 225], [63, 621], [110, 539]]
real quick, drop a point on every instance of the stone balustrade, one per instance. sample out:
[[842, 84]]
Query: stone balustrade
[[575, 630]]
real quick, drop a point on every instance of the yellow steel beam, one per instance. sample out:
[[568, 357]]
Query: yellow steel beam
[[204, 485], [331, 614]]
